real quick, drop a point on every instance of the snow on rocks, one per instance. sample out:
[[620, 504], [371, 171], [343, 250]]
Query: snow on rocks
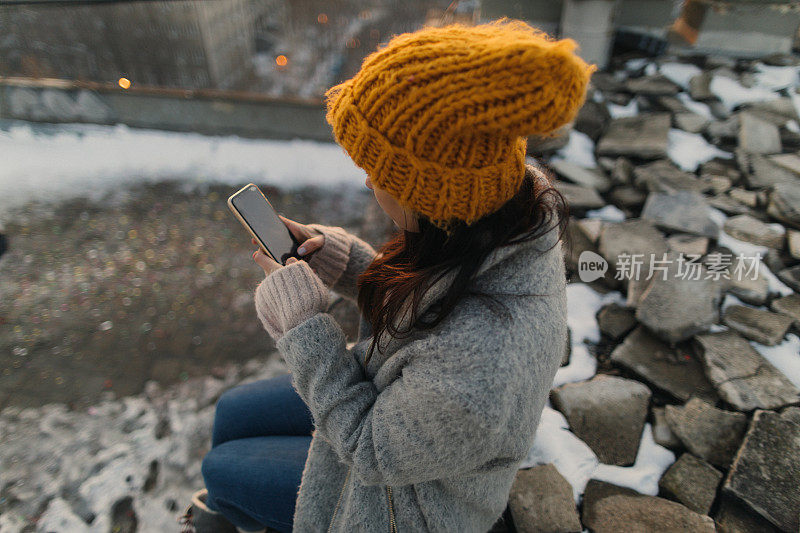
[[742, 377], [134, 459]]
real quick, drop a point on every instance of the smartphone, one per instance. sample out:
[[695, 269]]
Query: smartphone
[[257, 215]]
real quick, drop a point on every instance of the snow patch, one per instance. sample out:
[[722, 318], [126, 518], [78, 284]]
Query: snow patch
[[689, 150], [680, 73], [784, 356], [732, 93], [77, 160], [578, 150]]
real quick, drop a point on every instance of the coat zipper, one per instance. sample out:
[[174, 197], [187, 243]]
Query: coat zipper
[[392, 524], [339, 501]]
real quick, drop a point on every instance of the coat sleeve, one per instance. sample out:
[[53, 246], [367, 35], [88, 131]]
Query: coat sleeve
[[439, 418]]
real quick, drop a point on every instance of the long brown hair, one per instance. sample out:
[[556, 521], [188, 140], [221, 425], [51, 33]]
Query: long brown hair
[[412, 261]]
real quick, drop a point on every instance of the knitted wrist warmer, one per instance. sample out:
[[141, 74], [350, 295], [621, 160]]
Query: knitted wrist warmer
[[330, 261], [288, 296]]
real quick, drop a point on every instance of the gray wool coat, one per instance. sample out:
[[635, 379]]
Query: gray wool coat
[[430, 434]]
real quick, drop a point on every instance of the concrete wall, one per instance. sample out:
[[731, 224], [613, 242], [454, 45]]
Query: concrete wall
[[209, 112]]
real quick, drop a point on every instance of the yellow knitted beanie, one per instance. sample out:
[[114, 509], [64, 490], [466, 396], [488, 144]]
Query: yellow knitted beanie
[[439, 118]]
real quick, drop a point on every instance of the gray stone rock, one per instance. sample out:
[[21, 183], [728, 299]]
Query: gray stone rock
[[721, 167], [577, 243], [766, 472], [692, 482], [752, 289], [615, 320], [789, 306], [675, 370], [699, 87], [608, 413], [791, 277], [783, 106], [760, 325], [585, 177], [724, 131], [627, 197], [541, 500], [622, 173], [636, 287], [632, 236], [773, 260], [748, 198], [672, 104], [607, 82], [765, 173], [758, 136], [663, 176], [617, 513], [538, 144], [580, 198], [749, 229], [718, 109], [596, 490], [709, 433], [678, 307], [654, 85], [691, 122], [681, 211], [591, 227], [741, 375], [662, 434], [715, 184], [790, 162], [793, 242], [784, 203], [735, 517], [791, 413], [728, 205], [592, 119], [644, 136], [687, 244]]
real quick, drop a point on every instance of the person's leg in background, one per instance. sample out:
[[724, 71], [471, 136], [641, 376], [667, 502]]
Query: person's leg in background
[[262, 431]]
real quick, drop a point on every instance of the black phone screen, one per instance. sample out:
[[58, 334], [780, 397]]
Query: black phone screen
[[264, 221]]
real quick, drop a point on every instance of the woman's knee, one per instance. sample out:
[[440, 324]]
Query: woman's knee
[[210, 468]]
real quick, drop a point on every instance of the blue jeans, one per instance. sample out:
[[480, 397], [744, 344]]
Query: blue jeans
[[262, 431]]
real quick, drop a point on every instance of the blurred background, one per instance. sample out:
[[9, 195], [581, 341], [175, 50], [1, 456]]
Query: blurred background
[[126, 284]]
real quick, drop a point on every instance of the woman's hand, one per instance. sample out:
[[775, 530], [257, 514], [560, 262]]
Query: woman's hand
[[266, 262], [309, 238]]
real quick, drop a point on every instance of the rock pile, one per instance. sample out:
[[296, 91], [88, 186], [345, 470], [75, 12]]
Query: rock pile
[[692, 196]]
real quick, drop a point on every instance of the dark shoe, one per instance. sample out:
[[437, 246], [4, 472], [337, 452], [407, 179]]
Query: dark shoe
[[198, 518]]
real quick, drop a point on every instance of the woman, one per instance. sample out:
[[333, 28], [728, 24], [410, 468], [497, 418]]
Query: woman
[[422, 424]]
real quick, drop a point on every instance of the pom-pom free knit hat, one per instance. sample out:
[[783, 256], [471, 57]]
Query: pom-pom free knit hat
[[439, 118]]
